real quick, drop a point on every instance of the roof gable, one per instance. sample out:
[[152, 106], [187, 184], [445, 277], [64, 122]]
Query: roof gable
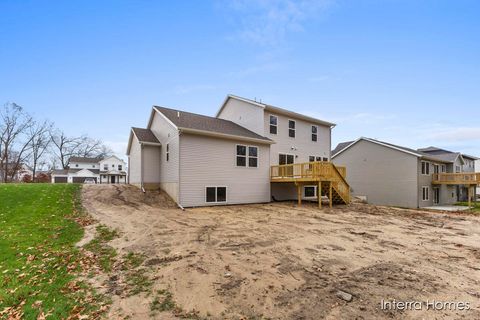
[[144, 136]]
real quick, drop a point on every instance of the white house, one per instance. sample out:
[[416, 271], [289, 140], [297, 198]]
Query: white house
[[251, 152], [102, 170]]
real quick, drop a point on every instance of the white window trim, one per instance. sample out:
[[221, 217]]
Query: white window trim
[[247, 156], [216, 202], [421, 169], [275, 125], [310, 186], [428, 193], [295, 129], [311, 133], [444, 168], [288, 154]]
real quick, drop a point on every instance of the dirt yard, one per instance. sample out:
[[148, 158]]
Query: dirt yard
[[280, 261]]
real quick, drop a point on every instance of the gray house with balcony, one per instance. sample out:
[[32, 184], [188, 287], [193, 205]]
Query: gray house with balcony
[[392, 175]]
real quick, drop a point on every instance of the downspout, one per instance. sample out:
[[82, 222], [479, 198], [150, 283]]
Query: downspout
[[141, 168], [179, 168]]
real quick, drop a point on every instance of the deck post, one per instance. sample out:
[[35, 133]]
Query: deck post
[[469, 196], [331, 200], [299, 194], [319, 194]]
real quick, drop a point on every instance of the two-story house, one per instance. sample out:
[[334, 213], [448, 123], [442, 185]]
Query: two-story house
[[250, 152], [392, 175], [102, 170]]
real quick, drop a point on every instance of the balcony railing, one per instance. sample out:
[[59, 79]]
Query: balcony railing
[[456, 178], [306, 171]]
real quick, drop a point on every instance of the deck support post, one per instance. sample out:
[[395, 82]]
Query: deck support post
[[330, 195], [469, 196], [299, 194], [319, 194]]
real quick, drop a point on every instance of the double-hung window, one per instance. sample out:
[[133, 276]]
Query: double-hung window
[[425, 193], [314, 133], [425, 168], [247, 156], [291, 128], [215, 194], [273, 124]]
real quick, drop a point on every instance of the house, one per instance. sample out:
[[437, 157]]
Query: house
[[388, 174], [103, 170], [250, 152]]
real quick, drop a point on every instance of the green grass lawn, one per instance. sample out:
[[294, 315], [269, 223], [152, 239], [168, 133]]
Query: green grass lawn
[[476, 206], [38, 257]]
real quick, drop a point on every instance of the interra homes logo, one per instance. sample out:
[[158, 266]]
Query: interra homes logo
[[424, 305]]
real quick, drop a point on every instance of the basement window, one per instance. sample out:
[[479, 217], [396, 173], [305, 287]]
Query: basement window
[[314, 133], [273, 124], [291, 128], [215, 194], [310, 191]]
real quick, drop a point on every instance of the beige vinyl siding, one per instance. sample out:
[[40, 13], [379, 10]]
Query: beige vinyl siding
[[166, 133], [209, 161], [245, 114], [386, 176], [302, 144], [151, 167], [134, 164]]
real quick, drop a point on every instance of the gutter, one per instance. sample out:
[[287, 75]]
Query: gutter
[[141, 165], [224, 135]]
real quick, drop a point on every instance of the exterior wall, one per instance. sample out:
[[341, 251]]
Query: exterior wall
[[81, 165], [244, 114], [384, 175], [151, 164], [208, 161], [446, 191], [169, 170], [134, 162], [302, 143], [112, 163], [83, 174]]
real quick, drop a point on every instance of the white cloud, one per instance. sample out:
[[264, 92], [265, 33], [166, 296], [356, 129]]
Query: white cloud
[[267, 22]]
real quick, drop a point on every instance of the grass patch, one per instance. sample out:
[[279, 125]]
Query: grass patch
[[105, 253], [138, 281], [132, 260], [476, 206], [163, 301], [38, 257]]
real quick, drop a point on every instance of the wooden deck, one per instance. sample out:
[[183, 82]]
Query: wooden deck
[[470, 178], [331, 179]]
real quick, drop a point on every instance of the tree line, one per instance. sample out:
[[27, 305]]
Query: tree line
[[25, 140]]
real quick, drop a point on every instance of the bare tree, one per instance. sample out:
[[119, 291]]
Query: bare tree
[[40, 141], [65, 147], [15, 122]]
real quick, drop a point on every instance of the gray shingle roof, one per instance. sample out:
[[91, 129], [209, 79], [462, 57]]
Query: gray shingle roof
[[194, 121], [145, 135], [84, 159], [341, 146]]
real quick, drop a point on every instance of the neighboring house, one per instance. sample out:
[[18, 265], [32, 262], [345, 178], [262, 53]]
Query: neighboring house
[[388, 174], [235, 157], [102, 170]]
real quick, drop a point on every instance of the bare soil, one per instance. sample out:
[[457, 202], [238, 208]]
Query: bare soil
[[280, 261]]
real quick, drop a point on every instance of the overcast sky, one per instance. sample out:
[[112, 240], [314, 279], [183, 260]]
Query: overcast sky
[[407, 72]]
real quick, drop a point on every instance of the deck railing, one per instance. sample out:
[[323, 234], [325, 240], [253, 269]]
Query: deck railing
[[456, 178], [313, 171]]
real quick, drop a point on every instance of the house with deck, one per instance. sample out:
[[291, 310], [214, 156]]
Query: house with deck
[[105, 170], [392, 175], [249, 152]]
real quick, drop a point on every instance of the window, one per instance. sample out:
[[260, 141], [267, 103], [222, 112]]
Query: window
[[291, 128], [104, 177], [76, 165], [285, 158], [241, 158], [105, 167], [273, 124], [311, 158], [425, 193], [325, 159], [425, 168], [119, 167], [253, 157], [435, 168], [215, 194], [310, 191], [314, 133], [444, 168], [457, 169], [319, 159], [113, 166], [93, 166], [167, 151]]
